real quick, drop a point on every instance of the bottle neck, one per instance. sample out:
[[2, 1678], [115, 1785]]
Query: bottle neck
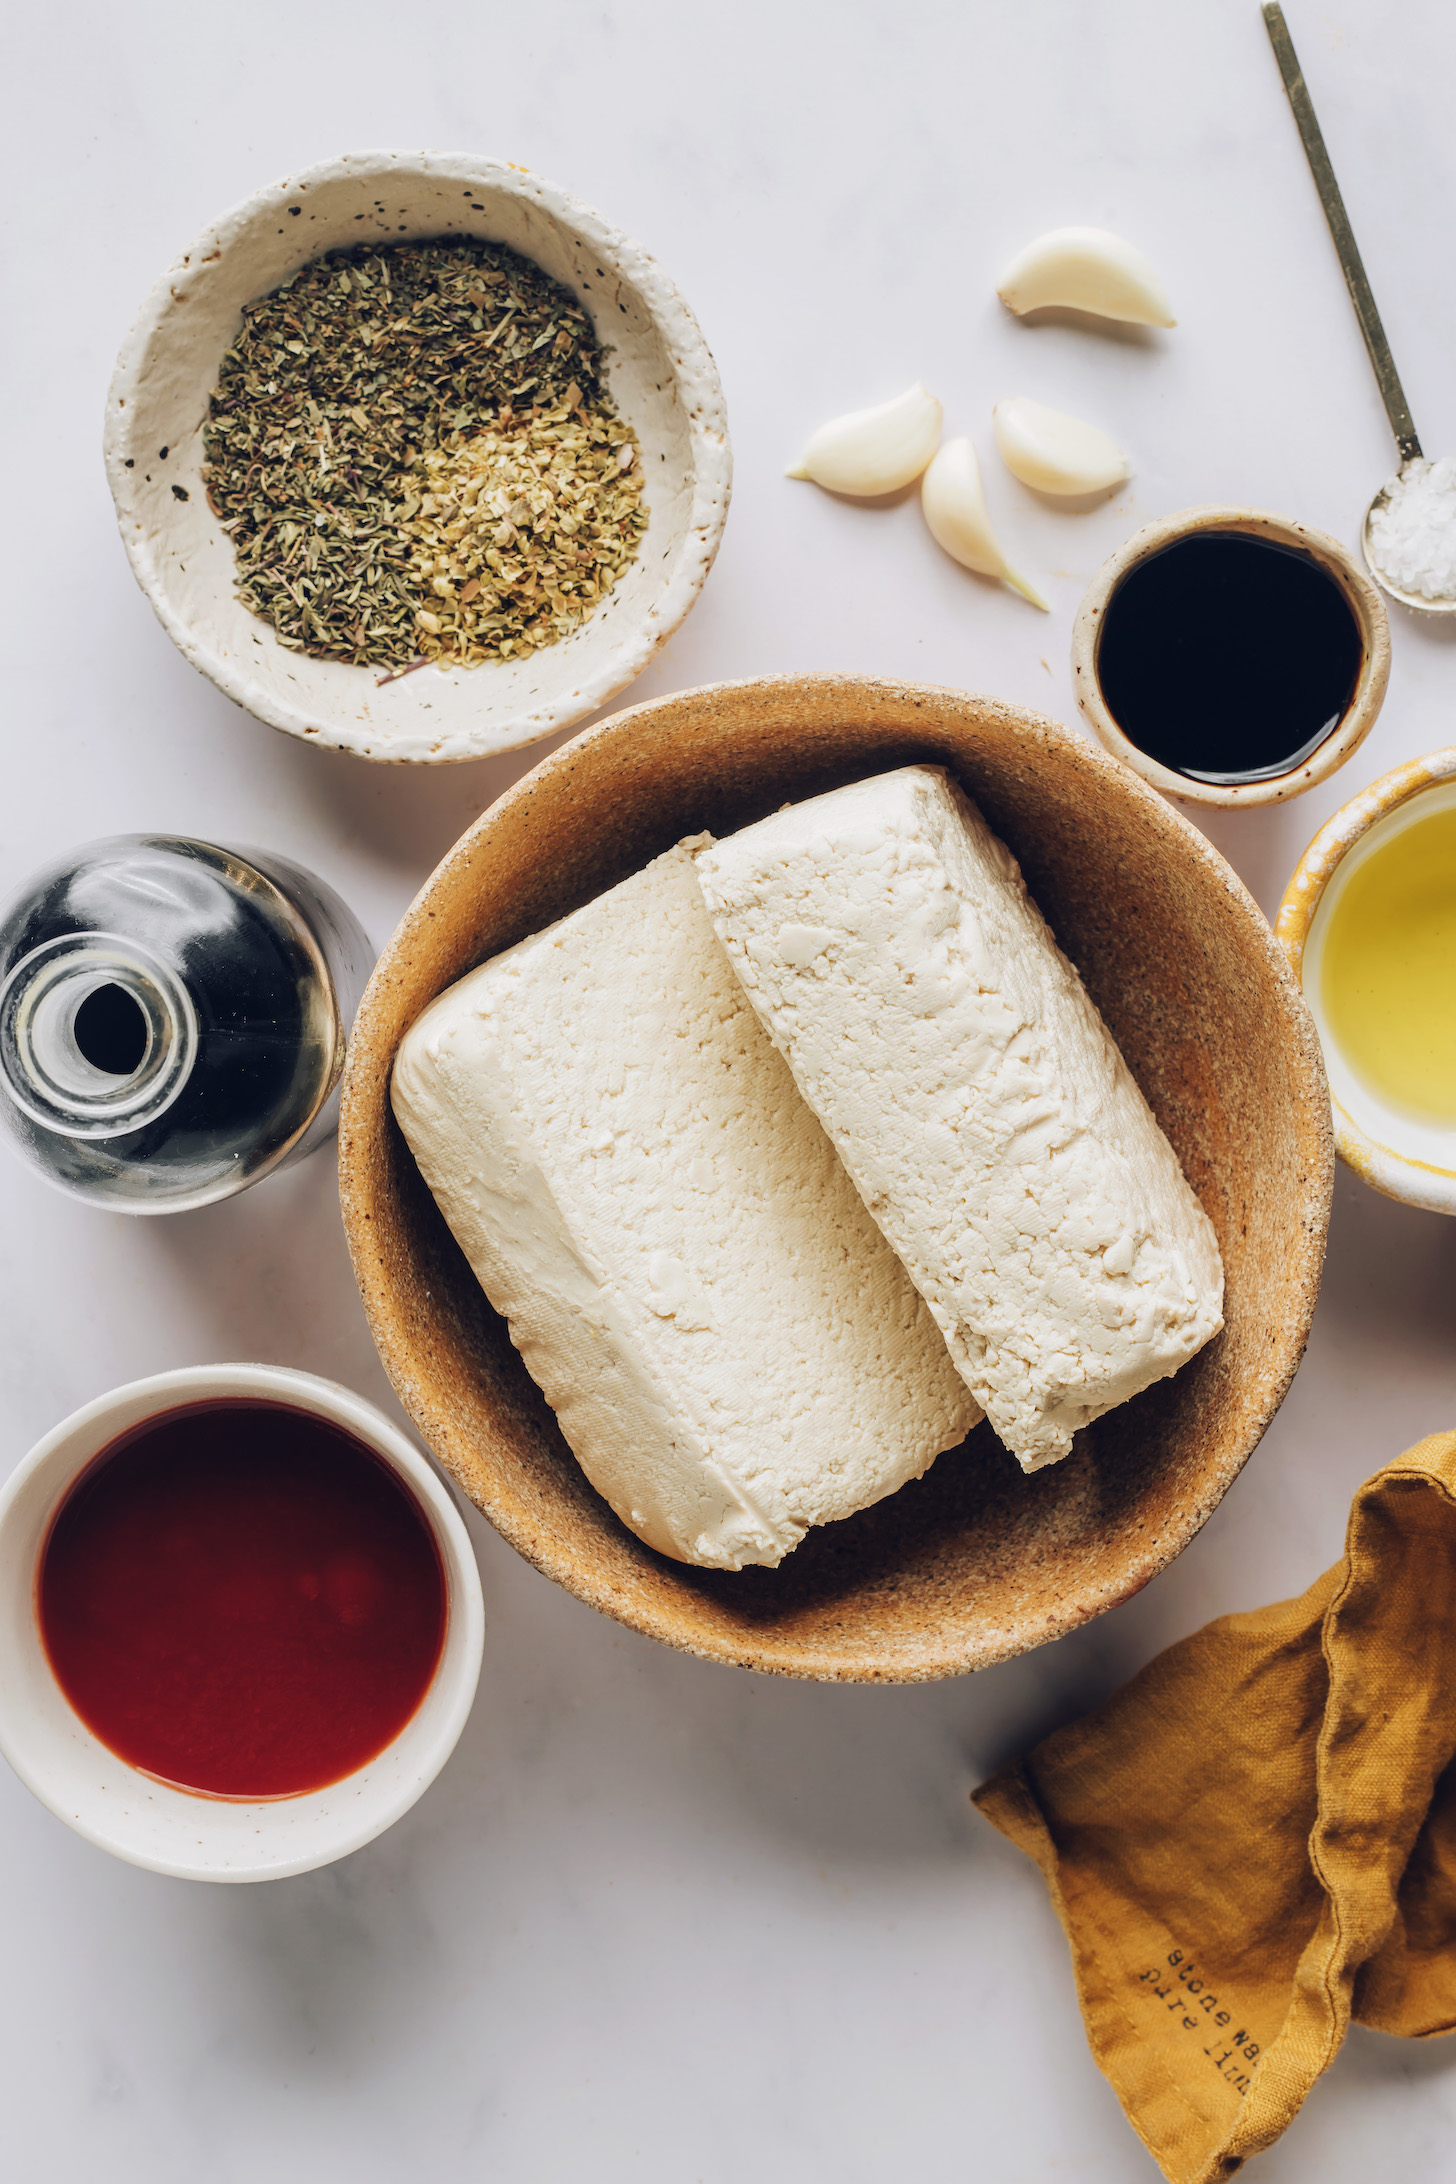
[[98, 1035]]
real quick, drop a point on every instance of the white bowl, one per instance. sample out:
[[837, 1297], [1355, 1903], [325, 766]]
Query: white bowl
[[660, 372], [142, 1820], [1397, 1153]]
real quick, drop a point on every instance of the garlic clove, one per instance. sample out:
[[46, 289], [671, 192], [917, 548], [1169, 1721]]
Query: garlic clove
[[1056, 453], [874, 450], [955, 509], [1086, 269]]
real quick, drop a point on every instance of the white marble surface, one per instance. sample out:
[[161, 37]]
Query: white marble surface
[[661, 1921]]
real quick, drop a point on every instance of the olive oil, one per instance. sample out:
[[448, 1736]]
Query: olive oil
[[1388, 969]]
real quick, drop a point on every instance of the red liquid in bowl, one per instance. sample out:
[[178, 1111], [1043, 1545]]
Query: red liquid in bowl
[[242, 1599]]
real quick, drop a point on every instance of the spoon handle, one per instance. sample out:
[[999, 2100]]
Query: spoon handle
[[1392, 394]]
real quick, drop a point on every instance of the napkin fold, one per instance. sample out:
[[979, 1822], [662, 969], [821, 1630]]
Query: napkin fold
[[1255, 1839]]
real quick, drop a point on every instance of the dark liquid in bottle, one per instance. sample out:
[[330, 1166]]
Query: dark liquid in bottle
[[1227, 658], [243, 1600], [111, 1031], [172, 1018]]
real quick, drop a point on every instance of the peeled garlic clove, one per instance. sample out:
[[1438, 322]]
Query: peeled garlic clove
[[1053, 452], [1086, 269], [874, 450], [955, 509]]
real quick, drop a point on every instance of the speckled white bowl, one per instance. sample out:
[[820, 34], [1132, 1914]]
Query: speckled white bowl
[[1405, 1158], [145, 1821], [660, 372]]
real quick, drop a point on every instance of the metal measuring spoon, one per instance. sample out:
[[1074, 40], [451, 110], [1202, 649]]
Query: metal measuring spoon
[[1392, 394]]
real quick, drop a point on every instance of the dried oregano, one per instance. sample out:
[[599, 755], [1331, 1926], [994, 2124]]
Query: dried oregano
[[343, 422], [520, 532]]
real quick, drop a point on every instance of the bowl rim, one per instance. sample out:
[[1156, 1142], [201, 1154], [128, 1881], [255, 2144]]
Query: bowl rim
[[1365, 603], [72, 1444], [514, 1516], [1398, 1175], [693, 366]]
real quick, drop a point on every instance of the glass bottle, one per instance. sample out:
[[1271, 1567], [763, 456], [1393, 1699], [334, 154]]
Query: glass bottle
[[172, 1019]]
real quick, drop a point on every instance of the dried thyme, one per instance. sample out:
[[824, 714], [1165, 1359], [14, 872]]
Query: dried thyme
[[342, 404]]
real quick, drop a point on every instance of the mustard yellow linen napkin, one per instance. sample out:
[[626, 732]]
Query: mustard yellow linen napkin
[[1256, 1837]]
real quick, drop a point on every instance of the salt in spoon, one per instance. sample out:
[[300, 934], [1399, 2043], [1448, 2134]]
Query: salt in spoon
[[1414, 470]]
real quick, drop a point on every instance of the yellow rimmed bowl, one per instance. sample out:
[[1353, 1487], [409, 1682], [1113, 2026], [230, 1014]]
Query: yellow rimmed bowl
[[1403, 1155]]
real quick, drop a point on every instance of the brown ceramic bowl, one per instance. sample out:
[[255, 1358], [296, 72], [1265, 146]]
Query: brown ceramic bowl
[[975, 1562]]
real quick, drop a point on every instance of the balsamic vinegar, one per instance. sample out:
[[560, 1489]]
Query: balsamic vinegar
[[1228, 658]]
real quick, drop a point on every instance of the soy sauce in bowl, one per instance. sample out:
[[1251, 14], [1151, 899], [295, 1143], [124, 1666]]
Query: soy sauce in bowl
[[1228, 658], [242, 1600]]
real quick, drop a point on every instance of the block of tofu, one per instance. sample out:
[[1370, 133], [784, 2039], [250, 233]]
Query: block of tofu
[[732, 1349], [972, 1090]]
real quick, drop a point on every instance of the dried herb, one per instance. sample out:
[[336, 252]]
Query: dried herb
[[348, 393], [521, 531]]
